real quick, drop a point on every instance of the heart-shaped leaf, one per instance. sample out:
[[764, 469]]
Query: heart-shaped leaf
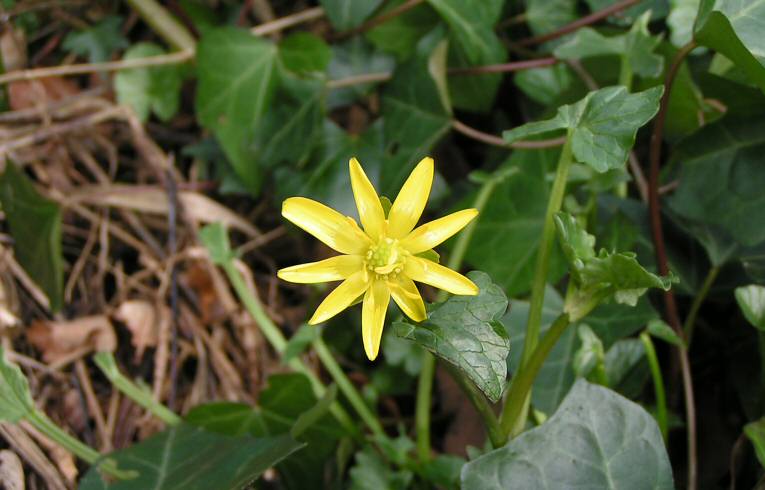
[[467, 332]]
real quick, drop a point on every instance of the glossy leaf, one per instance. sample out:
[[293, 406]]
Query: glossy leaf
[[190, 457], [237, 80], [659, 329], [353, 58], [544, 16], [466, 331], [634, 47], [347, 14], [400, 34], [621, 360], [590, 355], [734, 28], [751, 300], [15, 399], [304, 52], [602, 125], [150, 89], [35, 226], [508, 230], [596, 439]]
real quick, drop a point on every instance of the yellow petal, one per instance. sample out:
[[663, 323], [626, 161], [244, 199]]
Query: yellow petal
[[367, 201], [332, 269], [337, 231], [408, 298], [341, 298], [425, 271], [431, 234], [411, 200], [373, 317]]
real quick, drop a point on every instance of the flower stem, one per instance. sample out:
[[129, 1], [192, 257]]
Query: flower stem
[[279, 343], [425, 382], [86, 453], [543, 259], [107, 365], [693, 313], [658, 383], [345, 385], [520, 387]]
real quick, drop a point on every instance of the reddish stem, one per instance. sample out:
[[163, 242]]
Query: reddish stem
[[503, 67]]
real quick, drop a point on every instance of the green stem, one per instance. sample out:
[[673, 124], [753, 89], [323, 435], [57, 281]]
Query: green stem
[[106, 363], [345, 385], [520, 387], [658, 383], [422, 408], [425, 381], [543, 259], [625, 79], [690, 320], [482, 406], [86, 453], [164, 24], [279, 343]]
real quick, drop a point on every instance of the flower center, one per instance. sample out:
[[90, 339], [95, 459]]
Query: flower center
[[385, 257]]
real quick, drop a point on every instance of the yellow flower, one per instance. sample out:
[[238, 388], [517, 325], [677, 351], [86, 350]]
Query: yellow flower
[[381, 261]]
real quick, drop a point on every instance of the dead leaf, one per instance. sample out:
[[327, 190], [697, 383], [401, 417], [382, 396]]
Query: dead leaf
[[65, 462], [25, 94], [13, 48], [140, 317], [65, 341], [198, 278], [11, 471]]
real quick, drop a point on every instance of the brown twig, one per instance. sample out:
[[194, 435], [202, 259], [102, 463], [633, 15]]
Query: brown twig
[[288, 21], [503, 67], [376, 21], [493, 140], [670, 305], [579, 23]]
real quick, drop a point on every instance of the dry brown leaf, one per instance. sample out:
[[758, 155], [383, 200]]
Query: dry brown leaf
[[65, 341], [25, 94], [140, 317], [65, 462], [11, 471], [13, 48], [198, 278], [152, 199]]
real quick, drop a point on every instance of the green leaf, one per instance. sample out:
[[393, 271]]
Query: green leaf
[[622, 360], [721, 178], [634, 47], [545, 85], [416, 111], [156, 89], [680, 20], [192, 458], [286, 406], [590, 355], [35, 225], [602, 126], [372, 473], [467, 332], [755, 431], [399, 36], [237, 80], [734, 28], [97, 42], [606, 275], [399, 352], [352, 58], [443, 471], [214, 237], [659, 329], [15, 399], [507, 233], [472, 24], [596, 439], [751, 300], [347, 14], [304, 52], [544, 16], [299, 342]]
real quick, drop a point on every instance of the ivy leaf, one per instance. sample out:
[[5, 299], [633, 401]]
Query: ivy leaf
[[35, 225], [606, 275], [156, 89], [680, 20], [15, 400], [590, 355], [734, 28], [99, 41], [237, 80], [194, 458], [416, 111], [659, 329], [352, 58], [372, 473], [544, 16], [304, 52], [347, 14], [399, 36], [751, 300], [622, 361], [602, 126], [635, 48], [467, 332], [722, 177], [596, 439], [755, 431]]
